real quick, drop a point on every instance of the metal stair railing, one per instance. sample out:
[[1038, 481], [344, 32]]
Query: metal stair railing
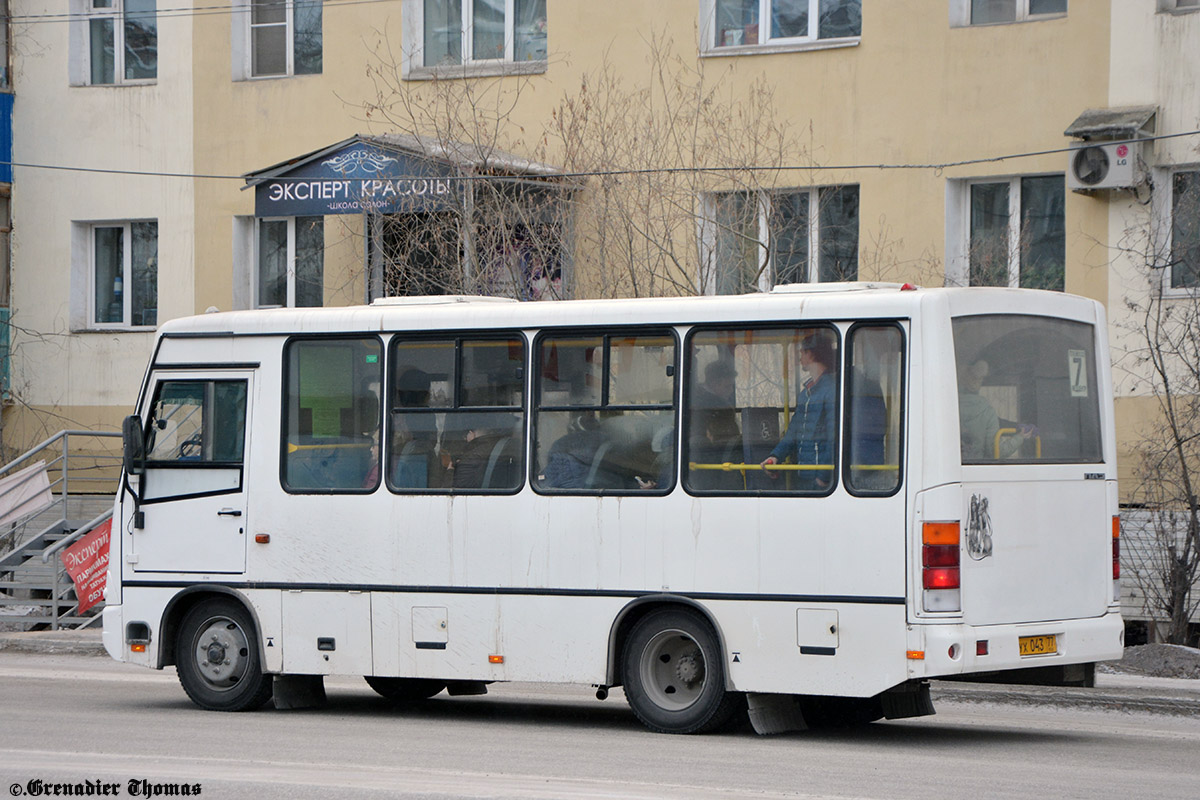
[[81, 472]]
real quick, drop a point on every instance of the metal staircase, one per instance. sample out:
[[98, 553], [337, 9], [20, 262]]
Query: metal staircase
[[49, 497]]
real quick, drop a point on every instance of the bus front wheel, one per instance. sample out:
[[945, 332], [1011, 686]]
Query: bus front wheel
[[217, 658], [674, 674]]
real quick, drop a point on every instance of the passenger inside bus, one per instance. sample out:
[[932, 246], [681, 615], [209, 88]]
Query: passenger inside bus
[[576, 459], [978, 421], [809, 437], [415, 462], [484, 456]]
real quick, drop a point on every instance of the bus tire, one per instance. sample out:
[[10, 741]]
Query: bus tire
[[674, 674], [217, 658], [405, 690]]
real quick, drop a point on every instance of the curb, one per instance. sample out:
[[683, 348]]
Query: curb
[[1065, 697], [74, 643]]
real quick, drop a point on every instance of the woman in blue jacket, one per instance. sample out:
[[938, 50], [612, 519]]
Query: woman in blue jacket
[[809, 437]]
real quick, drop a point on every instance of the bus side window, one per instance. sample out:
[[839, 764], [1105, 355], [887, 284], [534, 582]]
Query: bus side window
[[761, 410], [873, 409], [606, 417], [331, 415], [456, 420], [195, 438]]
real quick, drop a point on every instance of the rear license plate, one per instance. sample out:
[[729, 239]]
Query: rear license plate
[[1038, 645]]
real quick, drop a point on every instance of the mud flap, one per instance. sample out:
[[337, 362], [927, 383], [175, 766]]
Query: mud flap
[[907, 700], [466, 688], [298, 691], [775, 713]]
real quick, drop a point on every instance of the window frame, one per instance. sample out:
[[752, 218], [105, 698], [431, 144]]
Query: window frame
[[960, 15], [1167, 217], [685, 405], [126, 323], [458, 337], [413, 61], [958, 219], [607, 335], [208, 381], [847, 393], [1174, 7], [710, 48], [90, 12], [256, 274], [6, 43], [767, 270], [285, 399], [244, 40]]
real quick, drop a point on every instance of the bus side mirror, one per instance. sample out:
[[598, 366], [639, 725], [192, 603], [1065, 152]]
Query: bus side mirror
[[134, 445]]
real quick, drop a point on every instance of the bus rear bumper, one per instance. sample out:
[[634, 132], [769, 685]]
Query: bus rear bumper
[[953, 650]]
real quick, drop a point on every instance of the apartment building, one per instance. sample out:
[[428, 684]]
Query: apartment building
[[176, 157]]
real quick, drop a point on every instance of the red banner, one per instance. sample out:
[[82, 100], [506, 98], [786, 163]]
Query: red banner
[[87, 564]]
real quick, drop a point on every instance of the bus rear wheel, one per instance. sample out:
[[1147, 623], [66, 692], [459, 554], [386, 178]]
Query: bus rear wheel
[[405, 690], [217, 658], [674, 674]]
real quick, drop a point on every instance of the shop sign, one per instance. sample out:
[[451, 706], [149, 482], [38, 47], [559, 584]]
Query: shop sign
[[358, 178]]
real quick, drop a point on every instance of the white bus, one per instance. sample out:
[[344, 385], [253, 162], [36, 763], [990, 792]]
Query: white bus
[[807, 502]]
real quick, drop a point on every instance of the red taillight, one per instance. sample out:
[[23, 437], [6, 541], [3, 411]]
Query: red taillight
[[941, 577], [1116, 532], [940, 555]]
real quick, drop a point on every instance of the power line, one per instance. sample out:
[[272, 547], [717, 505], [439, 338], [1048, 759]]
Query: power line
[[933, 167]]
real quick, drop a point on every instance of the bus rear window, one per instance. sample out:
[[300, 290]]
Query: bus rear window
[[1027, 390]]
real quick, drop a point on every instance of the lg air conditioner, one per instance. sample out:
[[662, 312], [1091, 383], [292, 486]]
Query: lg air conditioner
[[1095, 165]]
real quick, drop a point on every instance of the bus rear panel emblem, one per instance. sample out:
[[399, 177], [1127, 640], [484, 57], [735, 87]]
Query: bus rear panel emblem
[[979, 529]]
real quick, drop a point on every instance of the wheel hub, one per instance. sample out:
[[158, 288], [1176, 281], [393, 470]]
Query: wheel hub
[[689, 670], [221, 654]]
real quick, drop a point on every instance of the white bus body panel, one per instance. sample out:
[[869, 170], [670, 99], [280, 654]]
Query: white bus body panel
[[808, 594]]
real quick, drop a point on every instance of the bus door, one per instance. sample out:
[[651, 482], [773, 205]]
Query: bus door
[[194, 497]]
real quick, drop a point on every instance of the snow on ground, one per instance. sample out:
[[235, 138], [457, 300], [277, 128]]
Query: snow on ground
[[1157, 660]]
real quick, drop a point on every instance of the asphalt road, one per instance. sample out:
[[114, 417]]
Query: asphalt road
[[72, 719]]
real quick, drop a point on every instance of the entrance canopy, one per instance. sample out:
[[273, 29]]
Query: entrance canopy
[[380, 174]]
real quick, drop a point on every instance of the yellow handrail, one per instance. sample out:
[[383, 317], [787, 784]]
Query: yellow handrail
[[292, 448], [1037, 442], [729, 466]]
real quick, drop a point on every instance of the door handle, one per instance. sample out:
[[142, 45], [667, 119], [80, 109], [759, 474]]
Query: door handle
[[229, 512]]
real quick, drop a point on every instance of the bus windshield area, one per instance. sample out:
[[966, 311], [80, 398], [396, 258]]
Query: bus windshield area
[[1027, 390]]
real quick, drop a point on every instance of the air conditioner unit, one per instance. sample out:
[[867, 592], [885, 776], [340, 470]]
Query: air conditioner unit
[[1097, 165]]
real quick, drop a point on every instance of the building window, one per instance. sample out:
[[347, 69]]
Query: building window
[[282, 37], [5, 36], [992, 12], [491, 37], [472, 31], [760, 240], [1184, 6], [124, 272], [1185, 230], [1015, 233], [122, 41], [291, 263], [741, 23]]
